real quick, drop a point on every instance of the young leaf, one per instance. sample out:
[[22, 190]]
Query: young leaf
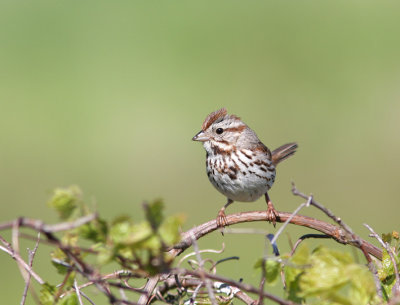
[[47, 294], [170, 229], [59, 260], [293, 275], [154, 213], [272, 268], [386, 274], [95, 230], [335, 278], [65, 200], [69, 299]]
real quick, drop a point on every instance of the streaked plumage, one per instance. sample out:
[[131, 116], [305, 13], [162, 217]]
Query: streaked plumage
[[238, 164]]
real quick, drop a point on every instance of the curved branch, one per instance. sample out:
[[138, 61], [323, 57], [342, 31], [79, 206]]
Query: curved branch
[[335, 232]]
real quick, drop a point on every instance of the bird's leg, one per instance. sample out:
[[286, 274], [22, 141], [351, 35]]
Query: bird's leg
[[271, 212], [221, 217]]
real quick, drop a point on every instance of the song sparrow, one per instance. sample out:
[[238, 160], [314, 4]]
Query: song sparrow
[[238, 164]]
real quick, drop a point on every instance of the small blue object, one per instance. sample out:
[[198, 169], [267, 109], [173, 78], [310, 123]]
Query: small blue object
[[274, 246]]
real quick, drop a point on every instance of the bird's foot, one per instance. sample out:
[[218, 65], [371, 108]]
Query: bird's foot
[[271, 213], [221, 219]]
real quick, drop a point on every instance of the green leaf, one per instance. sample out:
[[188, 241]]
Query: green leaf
[[47, 292], [105, 255], [65, 200], [272, 268], [387, 237], [292, 274], [60, 261], [95, 230], [386, 274], [69, 299], [128, 234], [331, 277], [170, 229], [387, 268], [154, 213], [272, 271], [335, 277]]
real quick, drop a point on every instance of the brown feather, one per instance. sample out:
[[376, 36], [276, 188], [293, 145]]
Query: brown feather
[[283, 152], [212, 117]]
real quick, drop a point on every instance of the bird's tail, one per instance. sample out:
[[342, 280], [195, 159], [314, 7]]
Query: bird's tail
[[283, 152]]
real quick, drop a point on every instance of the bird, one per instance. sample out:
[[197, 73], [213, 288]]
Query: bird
[[238, 164]]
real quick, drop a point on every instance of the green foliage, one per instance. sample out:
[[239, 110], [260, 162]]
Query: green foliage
[[95, 231], [65, 200], [154, 213], [272, 269], [326, 276], [59, 261], [48, 296], [136, 246], [321, 276], [386, 270], [69, 299]]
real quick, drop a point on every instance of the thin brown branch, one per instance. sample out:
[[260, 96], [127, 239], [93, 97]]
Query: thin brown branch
[[306, 236], [40, 226], [31, 256], [355, 239], [241, 286], [200, 251], [187, 282], [52, 243], [337, 233], [201, 270], [15, 248], [328, 212], [78, 292], [389, 250], [148, 290], [9, 250], [305, 204]]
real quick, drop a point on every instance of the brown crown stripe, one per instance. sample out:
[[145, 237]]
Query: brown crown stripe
[[263, 169], [212, 117], [215, 116]]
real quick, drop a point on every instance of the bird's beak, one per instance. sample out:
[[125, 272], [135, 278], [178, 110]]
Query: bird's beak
[[200, 136]]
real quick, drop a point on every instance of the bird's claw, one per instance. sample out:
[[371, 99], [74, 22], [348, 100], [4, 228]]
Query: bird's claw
[[271, 214], [222, 221]]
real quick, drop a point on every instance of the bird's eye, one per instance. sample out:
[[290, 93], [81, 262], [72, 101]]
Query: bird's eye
[[219, 130]]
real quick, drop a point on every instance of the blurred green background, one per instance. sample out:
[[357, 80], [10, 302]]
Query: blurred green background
[[107, 95]]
